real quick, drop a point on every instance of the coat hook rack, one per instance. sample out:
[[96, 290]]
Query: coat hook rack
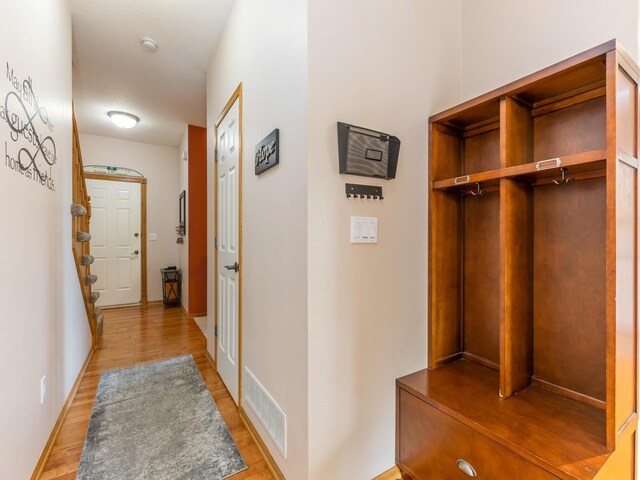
[[563, 179], [477, 191], [363, 191]]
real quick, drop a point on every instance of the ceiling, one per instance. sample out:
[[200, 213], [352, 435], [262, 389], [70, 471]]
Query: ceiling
[[111, 71]]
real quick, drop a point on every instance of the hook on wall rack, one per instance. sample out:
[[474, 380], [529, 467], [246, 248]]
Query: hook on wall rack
[[363, 191]]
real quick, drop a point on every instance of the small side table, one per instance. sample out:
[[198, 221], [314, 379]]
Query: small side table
[[171, 286]]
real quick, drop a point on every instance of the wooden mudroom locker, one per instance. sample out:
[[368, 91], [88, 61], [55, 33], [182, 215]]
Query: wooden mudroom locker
[[533, 275]]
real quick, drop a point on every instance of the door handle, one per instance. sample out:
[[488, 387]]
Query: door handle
[[135, 252], [235, 267]]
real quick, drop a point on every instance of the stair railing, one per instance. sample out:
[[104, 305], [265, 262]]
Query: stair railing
[[81, 236]]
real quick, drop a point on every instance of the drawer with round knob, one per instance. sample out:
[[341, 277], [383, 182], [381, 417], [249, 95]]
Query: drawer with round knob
[[434, 446]]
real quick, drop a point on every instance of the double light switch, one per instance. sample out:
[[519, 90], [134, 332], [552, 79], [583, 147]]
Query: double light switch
[[364, 230]]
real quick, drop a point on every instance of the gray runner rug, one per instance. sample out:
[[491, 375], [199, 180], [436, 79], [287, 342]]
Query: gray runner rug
[[157, 421]]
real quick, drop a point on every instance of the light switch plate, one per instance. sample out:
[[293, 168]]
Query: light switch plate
[[153, 237], [364, 230]]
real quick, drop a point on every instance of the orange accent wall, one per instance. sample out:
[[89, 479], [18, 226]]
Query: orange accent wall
[[197, 220]]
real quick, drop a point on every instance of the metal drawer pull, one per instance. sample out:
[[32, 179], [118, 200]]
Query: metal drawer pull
[[466, 468], [462, 180], [546, 164]]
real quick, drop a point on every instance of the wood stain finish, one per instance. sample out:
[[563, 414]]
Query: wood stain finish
[[136, 335], [535, 279]]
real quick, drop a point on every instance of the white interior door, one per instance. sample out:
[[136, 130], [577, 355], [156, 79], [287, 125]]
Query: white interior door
[[228, 236], [116, 240]]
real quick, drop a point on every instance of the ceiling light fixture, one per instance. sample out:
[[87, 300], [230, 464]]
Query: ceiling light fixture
[[149, 44], [123, 119]]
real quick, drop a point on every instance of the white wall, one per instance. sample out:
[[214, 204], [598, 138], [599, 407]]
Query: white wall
[[364, 305], [387, 67], [158, 164], [43, 324], [503, 41], [264, 46], [183, 185]]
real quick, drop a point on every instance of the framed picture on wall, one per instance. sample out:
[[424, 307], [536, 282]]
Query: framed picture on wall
[[182, 207]]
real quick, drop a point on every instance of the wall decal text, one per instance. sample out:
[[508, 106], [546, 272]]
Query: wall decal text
[[30, 149]]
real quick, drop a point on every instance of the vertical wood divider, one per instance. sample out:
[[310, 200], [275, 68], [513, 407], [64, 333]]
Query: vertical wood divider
[[612, 164], [516, 251]]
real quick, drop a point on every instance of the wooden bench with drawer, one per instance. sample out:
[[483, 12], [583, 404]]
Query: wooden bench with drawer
[[453, 413]]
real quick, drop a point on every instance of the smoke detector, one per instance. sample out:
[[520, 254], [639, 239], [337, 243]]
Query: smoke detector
[[149, 44]]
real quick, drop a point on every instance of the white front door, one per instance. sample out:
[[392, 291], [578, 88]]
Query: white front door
[[227, 188], [116, 241]]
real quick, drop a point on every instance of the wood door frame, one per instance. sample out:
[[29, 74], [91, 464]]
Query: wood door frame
[[237, 95], [143, 221]]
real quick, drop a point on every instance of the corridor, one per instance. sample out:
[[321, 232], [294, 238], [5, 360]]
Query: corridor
[[136, 335]]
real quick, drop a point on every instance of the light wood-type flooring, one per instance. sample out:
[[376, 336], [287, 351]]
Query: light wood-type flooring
[[391, 474], [137, 335]]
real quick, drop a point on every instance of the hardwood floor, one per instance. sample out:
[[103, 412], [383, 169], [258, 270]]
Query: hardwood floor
[[135, 335], [391, 474]]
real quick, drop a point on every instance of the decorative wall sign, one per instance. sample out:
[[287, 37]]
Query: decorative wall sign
[[29, 147], [109, 170], [268, 152]]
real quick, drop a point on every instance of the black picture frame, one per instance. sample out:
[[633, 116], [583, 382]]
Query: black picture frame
[[182, 208]]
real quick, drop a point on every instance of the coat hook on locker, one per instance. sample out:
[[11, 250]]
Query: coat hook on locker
[[477, 191], [563, 179]]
